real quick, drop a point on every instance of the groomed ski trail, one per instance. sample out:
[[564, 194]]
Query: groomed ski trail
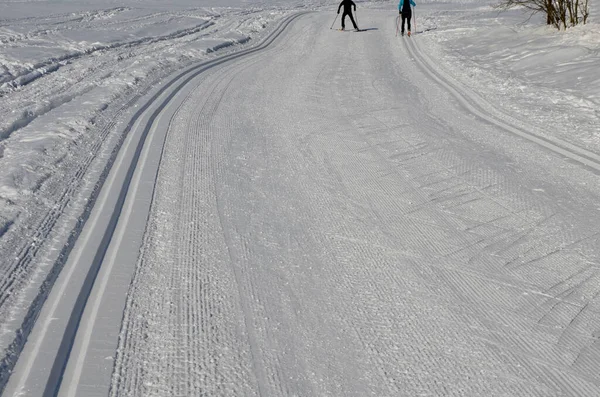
[[335, 216], [328, 220], [116, 224]]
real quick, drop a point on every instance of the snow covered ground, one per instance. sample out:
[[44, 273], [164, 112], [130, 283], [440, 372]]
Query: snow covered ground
[[73, 74], [528, 69], [69, 72]]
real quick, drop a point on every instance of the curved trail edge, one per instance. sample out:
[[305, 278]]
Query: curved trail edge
[[485, 111], [74, 285]]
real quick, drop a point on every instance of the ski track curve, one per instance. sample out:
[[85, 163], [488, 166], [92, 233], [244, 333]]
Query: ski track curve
[[489, 113], [361, 227], [51, 388], [14, 272], [321, 217], [195, 146], [30, 266]]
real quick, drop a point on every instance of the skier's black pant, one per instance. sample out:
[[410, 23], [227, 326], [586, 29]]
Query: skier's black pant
[[406, 16], [351, 19]]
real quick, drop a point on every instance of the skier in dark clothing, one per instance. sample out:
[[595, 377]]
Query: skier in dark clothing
[[406, 13], [348, 4]]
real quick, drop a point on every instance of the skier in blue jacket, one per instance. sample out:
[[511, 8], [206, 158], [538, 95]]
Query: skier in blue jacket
[[405, 11]]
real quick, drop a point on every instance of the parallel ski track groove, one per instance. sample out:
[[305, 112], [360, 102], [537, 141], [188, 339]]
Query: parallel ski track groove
[[12, 280], [196, 157], [29, 250], [479, 107], [554, 368], [181, 79]]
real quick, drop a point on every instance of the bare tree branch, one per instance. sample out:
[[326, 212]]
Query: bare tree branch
[[559, 13]]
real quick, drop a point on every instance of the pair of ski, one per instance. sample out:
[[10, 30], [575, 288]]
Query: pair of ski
[[353, 30]]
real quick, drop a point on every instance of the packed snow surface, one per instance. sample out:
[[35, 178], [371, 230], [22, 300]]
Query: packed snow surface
[[332, 213]]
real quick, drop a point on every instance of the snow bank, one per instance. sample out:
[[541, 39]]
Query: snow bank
[[530, 70]]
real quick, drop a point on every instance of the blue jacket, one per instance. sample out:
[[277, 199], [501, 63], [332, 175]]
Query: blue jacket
[[401, 4]]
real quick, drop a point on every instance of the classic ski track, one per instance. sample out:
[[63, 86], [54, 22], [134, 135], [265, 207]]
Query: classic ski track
[[197, 148], [180, 80], [537, 351], [372, 315], [228, 77], [466, 289], [421, 301], [13, 280], [481, 108], [15, 273]]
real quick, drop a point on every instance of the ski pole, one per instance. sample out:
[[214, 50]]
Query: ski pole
[[397, 24], [336, 15], [356, 16], [415, 19]]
